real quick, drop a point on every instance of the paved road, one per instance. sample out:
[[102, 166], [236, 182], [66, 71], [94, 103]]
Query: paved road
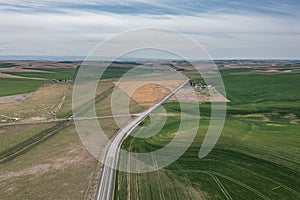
[[107, 182]]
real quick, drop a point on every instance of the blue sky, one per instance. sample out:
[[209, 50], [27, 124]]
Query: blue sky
[[226, 28]]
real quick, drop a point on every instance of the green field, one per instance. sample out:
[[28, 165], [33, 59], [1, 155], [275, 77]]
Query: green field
[[115, 72], [257, 156], [69, 73], [50, 73], [12, 86], [7, 65]]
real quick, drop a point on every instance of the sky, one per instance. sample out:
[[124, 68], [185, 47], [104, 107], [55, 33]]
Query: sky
[[227, 29]]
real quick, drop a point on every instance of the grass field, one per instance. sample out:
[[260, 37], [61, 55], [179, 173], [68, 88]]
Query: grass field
[[40, 105], [12, 86], [102, 102], [11, 136], [257, 156], [58, 167]]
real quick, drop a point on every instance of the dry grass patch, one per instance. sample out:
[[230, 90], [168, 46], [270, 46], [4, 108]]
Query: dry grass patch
[[14, 98], [58, 168], [13, 135], [40, 105]]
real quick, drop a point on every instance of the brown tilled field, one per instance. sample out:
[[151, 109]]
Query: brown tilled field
[[147, 93]]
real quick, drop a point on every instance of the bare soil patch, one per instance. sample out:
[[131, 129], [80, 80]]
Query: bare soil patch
[[14, 98], [147, 93]]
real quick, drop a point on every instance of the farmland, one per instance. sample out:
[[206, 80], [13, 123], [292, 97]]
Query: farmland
[[14, 86], [37, 157], [49, 73], [7, 65], [40, 105], [255, 158]]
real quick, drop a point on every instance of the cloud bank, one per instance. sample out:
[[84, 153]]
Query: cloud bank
[[226, 30]]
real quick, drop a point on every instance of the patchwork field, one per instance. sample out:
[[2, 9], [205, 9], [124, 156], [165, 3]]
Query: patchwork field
[[47, 73], [44, 159], [255, 158], [7, 65]]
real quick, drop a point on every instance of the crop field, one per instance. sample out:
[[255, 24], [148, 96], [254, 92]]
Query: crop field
[[114, 72], [12, 86], [50, 73], [7, 65], [256, 157]]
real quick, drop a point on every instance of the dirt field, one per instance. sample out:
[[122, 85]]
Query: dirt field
[[151, 92], [147, 93]]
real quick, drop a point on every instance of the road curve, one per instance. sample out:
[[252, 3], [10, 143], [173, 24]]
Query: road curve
[[108, 175]]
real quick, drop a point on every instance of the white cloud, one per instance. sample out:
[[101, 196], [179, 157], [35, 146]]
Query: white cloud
[[76, 33]]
